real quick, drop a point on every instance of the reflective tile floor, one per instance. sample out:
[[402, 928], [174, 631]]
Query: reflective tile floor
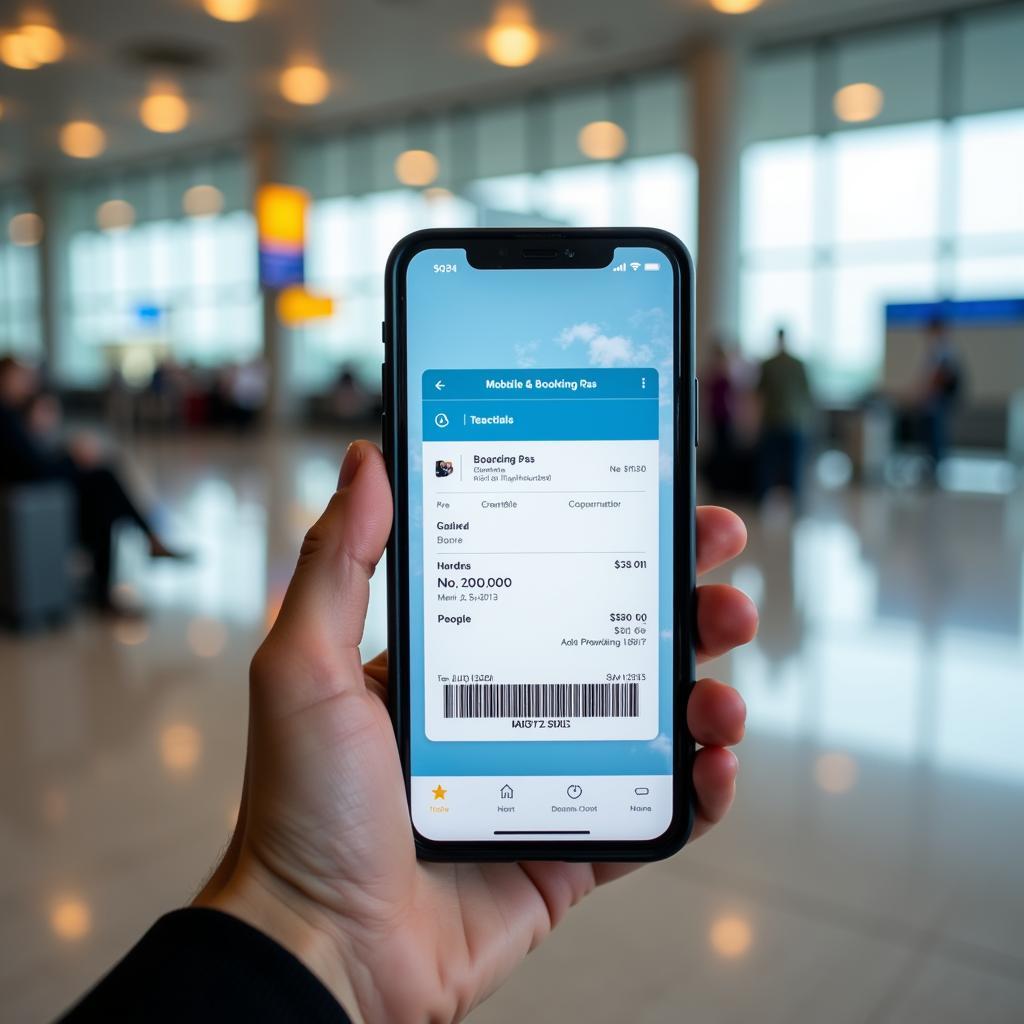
[[871, 871]]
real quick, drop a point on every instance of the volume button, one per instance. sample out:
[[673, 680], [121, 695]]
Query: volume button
[[696, 412]]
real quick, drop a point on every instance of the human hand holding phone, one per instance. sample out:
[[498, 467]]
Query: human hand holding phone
[[322, 858]]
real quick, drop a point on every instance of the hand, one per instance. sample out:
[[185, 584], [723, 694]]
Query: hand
[[322, 858]]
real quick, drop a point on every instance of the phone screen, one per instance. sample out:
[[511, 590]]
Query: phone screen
[[540, 484]]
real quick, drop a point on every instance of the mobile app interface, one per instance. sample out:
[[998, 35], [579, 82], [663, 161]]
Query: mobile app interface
[[540, 493]]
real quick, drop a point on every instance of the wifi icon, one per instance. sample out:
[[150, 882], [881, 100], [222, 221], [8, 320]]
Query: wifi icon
[[635, 266]]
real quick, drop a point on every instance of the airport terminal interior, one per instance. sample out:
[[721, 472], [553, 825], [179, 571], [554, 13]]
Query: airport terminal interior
[[847, 172]]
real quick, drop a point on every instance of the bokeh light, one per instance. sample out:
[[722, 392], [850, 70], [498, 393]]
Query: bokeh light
[[232, 10], [416, 167], [83, 139], [859, 101], [835, 772], [181, 746], [730, 936], [304, 84], [115, 215], [202, 201], [70, 918], [25, 229], [207, 637], [602, 140], [511, 41], [735, 6], [164, 110]]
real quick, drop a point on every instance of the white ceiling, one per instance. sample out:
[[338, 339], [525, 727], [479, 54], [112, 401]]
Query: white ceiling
[[385, 57]]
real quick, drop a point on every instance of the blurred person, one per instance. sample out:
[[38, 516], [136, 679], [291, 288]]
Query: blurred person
[[939, 391], [31, 450], [349, 399], [319, 910], [722, 389], [787, 408]]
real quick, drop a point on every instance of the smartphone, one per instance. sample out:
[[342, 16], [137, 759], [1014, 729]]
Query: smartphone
[[539, 429]]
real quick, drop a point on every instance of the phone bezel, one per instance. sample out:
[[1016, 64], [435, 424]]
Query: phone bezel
[[394, 432]]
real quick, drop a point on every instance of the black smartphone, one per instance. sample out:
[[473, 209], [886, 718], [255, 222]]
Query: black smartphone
[[539, 429]]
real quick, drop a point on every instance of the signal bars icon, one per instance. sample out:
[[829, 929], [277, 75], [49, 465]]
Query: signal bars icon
[[619, 269]]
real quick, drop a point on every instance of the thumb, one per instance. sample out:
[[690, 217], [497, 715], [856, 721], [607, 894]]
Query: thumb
[[324, 609]]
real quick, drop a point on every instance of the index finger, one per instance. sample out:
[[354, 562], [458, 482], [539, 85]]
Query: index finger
[[721, 535]]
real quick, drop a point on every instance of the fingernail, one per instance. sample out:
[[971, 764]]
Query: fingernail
[[350, 464]]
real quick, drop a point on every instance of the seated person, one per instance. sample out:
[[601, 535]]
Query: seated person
[[28, 420]]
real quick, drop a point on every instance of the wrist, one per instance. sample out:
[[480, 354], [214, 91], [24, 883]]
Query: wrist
[[254, 896]]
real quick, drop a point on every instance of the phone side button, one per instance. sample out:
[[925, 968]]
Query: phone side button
[[383, 332], [696, 412]]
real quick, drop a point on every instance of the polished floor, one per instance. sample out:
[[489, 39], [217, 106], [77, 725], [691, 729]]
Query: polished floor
[[871, 871]]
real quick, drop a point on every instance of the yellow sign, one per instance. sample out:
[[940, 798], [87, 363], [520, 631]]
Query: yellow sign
[[295, 306], [281, 215]]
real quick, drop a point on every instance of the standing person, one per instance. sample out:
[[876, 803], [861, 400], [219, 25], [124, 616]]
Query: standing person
[[27, 454], [941, 386], [787, 407], [722, 398]]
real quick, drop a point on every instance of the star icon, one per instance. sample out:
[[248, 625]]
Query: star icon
[[440, 793]]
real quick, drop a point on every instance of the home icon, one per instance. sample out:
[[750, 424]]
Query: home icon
[[506, 792]]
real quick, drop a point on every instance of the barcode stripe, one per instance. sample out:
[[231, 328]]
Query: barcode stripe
[[539, 700]]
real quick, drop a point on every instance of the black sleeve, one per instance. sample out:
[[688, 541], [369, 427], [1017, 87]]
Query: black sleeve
[[201, 965]]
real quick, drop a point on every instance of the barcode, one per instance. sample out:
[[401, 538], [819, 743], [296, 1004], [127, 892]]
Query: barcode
[[541, 700]]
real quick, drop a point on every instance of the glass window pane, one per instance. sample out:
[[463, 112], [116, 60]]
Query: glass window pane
[[887, 183], [780, 91], [990, 174], [777, 189], [773, 299], [993, 42], [992, 277]]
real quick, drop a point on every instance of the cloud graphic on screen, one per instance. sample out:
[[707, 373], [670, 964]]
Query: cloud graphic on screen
[[604, 350], [525, 357]]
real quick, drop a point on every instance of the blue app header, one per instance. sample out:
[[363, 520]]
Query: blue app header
[[541, 405]]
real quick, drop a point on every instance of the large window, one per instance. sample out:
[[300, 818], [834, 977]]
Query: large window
[[20, 332], [835, 227]]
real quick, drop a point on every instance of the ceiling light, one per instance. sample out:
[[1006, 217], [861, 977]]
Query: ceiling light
[[46, 44], [232, 10], [602, 140], [82, 139], [115, 215], [26, 229], [304, 84], [859, 101], [735, 6], [202, 201], [164, 110], [511, 40], [17, 51], [70, 918], [730, 936], [416, 167]]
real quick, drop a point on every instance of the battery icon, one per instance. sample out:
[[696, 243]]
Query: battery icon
[[652, 266]]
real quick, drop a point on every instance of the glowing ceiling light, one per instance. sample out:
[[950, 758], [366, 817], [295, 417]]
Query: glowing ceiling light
[[25, 229], [735, 6], [835, 773], [511, 40], [164, 110], [232, 10], [82, 139], [70, 918], [17, 51], [45, 42], [115, 215], [304, 84], [180, 748], [730, 936], [859, 101], [202, 201], [602, 140], [416, 167]]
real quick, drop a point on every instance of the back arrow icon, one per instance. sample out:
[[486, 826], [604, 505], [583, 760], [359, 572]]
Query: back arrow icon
[[439, 385]]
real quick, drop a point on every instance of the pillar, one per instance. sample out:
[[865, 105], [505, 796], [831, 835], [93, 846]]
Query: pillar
[[714, 70]]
